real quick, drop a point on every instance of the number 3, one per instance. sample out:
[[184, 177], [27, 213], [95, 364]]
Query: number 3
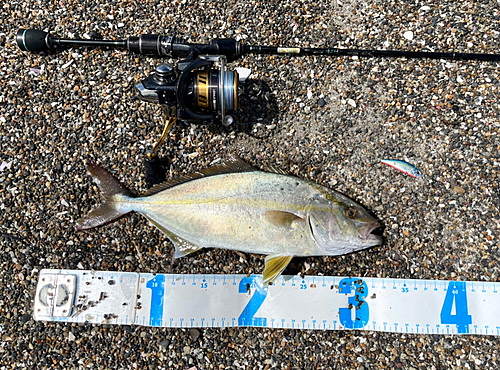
[[356, 303]]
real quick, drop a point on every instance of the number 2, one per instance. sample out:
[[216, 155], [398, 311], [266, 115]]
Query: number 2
[[247, 316]]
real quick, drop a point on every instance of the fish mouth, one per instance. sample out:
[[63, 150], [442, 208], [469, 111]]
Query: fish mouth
[[364, 231]]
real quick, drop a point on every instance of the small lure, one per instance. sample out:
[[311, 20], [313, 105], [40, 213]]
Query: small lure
[[403, 166]]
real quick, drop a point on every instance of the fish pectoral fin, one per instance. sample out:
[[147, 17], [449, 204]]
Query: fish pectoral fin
[[283, 219], [182, 246], [274, 266]]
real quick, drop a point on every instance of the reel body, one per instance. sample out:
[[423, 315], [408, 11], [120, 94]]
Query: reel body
[[202, 90]]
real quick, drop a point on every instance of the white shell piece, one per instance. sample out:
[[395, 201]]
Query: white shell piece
[[243, 73]]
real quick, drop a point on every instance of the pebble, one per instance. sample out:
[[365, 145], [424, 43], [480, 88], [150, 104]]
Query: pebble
[[194, 333], [61, 110], [408, 35]]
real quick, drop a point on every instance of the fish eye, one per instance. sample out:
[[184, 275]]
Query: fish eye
[[351, 213]]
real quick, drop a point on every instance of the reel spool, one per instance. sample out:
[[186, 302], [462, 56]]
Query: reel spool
[[208, 86]]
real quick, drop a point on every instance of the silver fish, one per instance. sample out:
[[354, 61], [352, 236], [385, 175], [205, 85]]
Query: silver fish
[[234, 206]]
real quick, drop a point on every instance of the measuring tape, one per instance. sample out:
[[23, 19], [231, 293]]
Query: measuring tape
[[292, 302]]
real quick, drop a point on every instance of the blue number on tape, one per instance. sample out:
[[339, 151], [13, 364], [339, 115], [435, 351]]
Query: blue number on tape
[[157, 286], [247, 316], [356, 303], [456, 294]]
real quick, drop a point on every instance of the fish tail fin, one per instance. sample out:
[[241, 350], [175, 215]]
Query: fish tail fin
[[108, 210]]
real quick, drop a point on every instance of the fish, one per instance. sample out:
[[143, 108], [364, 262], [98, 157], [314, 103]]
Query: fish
[[237, 207], [404, 167]]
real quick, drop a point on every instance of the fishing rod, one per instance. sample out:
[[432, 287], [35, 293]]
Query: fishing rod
[[170, 46]]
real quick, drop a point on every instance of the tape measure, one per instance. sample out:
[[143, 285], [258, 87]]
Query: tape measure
[[292, 302]]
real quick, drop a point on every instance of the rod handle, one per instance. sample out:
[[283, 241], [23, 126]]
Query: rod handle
[[33, 40]]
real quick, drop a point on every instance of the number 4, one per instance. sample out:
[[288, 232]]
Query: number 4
[[456, 295]]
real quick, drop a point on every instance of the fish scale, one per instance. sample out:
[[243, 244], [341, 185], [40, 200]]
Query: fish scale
[[291, 302]]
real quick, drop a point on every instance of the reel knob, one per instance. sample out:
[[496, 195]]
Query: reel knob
[[164, 73]]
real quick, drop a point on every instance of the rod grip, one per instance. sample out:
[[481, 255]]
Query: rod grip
[[33, 40]]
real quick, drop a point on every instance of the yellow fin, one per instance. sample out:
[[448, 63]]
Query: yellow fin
[[275, 265], [283, 219], [182, 246]]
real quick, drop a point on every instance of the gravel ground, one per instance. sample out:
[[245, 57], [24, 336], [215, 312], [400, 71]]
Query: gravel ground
[[326, 119]]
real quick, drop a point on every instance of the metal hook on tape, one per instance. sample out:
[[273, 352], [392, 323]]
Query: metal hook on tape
[[55, 295]]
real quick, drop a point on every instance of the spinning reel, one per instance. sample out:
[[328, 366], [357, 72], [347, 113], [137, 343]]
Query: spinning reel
[[198, 89], [201, 92]]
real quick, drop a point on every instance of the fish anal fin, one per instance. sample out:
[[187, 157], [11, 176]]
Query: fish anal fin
[[274, 266], [231, 165], [283, 219], [182, 246]]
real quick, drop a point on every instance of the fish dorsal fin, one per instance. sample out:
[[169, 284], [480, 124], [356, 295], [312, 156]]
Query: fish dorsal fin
[[274, 266], [273, 169], [182, 246], [232, 165]]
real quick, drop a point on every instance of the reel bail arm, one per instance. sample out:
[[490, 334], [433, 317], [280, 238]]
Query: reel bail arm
[[170, 119], [155, 167]]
